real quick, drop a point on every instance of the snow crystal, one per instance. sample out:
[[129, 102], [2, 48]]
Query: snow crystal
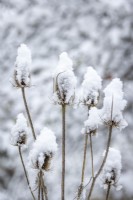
[[22, 67], [114, 104], [93, 121], [43, 150], [64, 81], [19, 131], [112, 169], [91, 86]]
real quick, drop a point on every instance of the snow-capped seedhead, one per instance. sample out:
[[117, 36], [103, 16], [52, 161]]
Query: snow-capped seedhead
[[91, 87], [19, 132], [112, 169], [114, 104], [64, 81], [93, 121], [43, 150], [22, 67]]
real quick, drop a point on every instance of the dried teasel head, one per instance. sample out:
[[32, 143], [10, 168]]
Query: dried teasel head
[[19, 131], [91, 87], [64, 81], [43, 150], [43, 162], [21, 76]]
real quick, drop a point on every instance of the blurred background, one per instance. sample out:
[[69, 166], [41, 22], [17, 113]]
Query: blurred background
[[93, 32]]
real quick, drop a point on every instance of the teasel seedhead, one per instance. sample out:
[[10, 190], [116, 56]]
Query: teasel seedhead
[[43, 150], [20, 131], [64, 81], [113, 105], [92, 123], [112, 169], [91, 87], [21, 77]]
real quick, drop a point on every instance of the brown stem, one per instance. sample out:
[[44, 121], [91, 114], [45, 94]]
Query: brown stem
[[108, 191], [39, 185], [63, 153], [91, 152], [25, 172], [44, 189], [103, 162], [83, 167], [28, 112]]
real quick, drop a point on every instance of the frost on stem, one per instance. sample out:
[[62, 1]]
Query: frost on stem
[[114, 94], [91, 87], [64, 81], [92, 123], [22, 67], [43, 150], [112, 169], [19, 132]]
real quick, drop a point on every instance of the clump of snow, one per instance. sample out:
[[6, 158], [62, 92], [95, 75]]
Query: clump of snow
[[93, 121], [91, 87], [112, 169], [19, 132], [22, 67], [114, 104], [64, 81], [43, 150]]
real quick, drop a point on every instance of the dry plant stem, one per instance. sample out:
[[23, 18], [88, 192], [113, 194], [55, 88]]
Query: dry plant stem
[[103, 162], [42, 193], [63, 152], [91, 152], [44, 189], [108, 191], [28, 113], [39, 185], [25, 172], [83, 167]]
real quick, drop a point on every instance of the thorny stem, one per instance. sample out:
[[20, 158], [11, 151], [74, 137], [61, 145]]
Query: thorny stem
[[83, 167], [108, 191], [91, 152], [25, 172], [28, 113], [63, 153]]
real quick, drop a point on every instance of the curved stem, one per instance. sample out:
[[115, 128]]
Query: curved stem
[[91, 152], [25, 172], [103, 162], [108, 191], [63, 153], [28, 112]]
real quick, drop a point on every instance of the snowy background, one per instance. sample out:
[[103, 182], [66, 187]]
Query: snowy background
[[93, 32]]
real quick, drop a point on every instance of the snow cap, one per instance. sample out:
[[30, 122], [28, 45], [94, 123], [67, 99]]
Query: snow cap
[[43, 150], [19, 132], [64, 81], [22, 67], [114, 104], [112, 169], [91, 87]]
